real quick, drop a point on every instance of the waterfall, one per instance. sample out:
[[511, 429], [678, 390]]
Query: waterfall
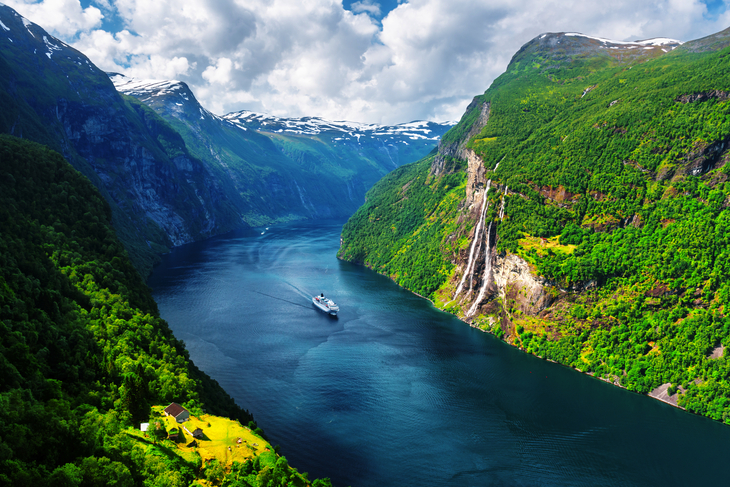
[[487, 272], [470, 262], [501, 209], [476, 259]]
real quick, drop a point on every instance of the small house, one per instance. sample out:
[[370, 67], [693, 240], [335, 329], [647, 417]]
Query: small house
[[196, 433], [178, 412], [144, 427]]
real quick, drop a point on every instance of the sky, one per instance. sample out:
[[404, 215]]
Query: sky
[[366, 61]]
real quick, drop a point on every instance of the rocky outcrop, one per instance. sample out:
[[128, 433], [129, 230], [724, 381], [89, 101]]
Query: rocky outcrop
[[703, 96], [517, 285], [476, 177], [662, 393], [472, 123], [704, 157]]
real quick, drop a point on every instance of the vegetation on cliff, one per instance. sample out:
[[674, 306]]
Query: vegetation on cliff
[[83, 352], [398, 231], [612, 170]]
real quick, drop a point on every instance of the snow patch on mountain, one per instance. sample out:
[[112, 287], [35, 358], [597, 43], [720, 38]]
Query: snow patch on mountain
[[51, 47], [140, 87], [27, 23], [647, 43]]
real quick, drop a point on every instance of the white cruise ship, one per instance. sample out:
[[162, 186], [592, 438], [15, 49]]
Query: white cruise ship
[[325, 304]]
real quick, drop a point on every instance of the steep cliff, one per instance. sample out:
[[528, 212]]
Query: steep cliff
[[579, 210], [159, 193]]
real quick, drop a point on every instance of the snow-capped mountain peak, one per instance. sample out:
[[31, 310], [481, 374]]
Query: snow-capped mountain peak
[[176, 96], [315, 125], [151, 87]]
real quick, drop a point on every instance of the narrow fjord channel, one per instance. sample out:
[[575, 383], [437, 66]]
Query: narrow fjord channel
[[393, 392]]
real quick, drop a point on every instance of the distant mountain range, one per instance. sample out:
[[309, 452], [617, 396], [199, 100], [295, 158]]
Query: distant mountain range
[[173, 172], [347, 130], [279, 169]]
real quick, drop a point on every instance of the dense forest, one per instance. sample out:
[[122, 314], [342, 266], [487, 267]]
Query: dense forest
[[84, 354], [398, 231], [613, 177]]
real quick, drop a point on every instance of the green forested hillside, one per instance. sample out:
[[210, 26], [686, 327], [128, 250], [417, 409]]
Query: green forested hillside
[[83, 352], [398, 232], [612, 170]]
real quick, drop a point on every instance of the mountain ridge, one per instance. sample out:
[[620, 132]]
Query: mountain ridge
[[283, 169]]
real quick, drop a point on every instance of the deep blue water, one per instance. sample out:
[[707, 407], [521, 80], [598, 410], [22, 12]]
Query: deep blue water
[[393, 392]]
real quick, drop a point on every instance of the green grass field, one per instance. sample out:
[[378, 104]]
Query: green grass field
[[219, 441]]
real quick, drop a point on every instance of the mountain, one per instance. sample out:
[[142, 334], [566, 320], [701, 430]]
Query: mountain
[[172, 171], [579, 211], [404, 133], [159, 193], [277, 169]]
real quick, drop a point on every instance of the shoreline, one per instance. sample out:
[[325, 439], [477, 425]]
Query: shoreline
[[656, 394]]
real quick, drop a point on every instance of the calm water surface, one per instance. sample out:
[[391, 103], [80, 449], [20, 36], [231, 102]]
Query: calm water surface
[[393, 392]]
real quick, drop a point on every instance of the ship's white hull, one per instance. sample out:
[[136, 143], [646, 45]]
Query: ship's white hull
[[326, 305]]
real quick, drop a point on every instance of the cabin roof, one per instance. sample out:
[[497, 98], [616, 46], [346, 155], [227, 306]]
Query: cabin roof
[[174, 409]]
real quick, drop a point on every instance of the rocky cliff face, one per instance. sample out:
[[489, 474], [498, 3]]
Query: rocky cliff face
[[159, 193], [496, 286], [473, 121]]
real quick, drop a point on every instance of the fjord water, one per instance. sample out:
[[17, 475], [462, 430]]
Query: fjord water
[[393, 392]]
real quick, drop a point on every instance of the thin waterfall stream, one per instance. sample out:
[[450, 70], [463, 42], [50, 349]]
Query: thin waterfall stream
[[487, 272], [480, 224]]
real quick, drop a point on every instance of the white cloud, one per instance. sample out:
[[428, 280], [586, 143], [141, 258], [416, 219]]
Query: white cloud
[[220, 73], [64, 17], [367, 6], [425, 59]]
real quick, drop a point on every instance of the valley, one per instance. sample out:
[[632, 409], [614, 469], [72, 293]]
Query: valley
[[172, 171], [577, 212], [278, 170]]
